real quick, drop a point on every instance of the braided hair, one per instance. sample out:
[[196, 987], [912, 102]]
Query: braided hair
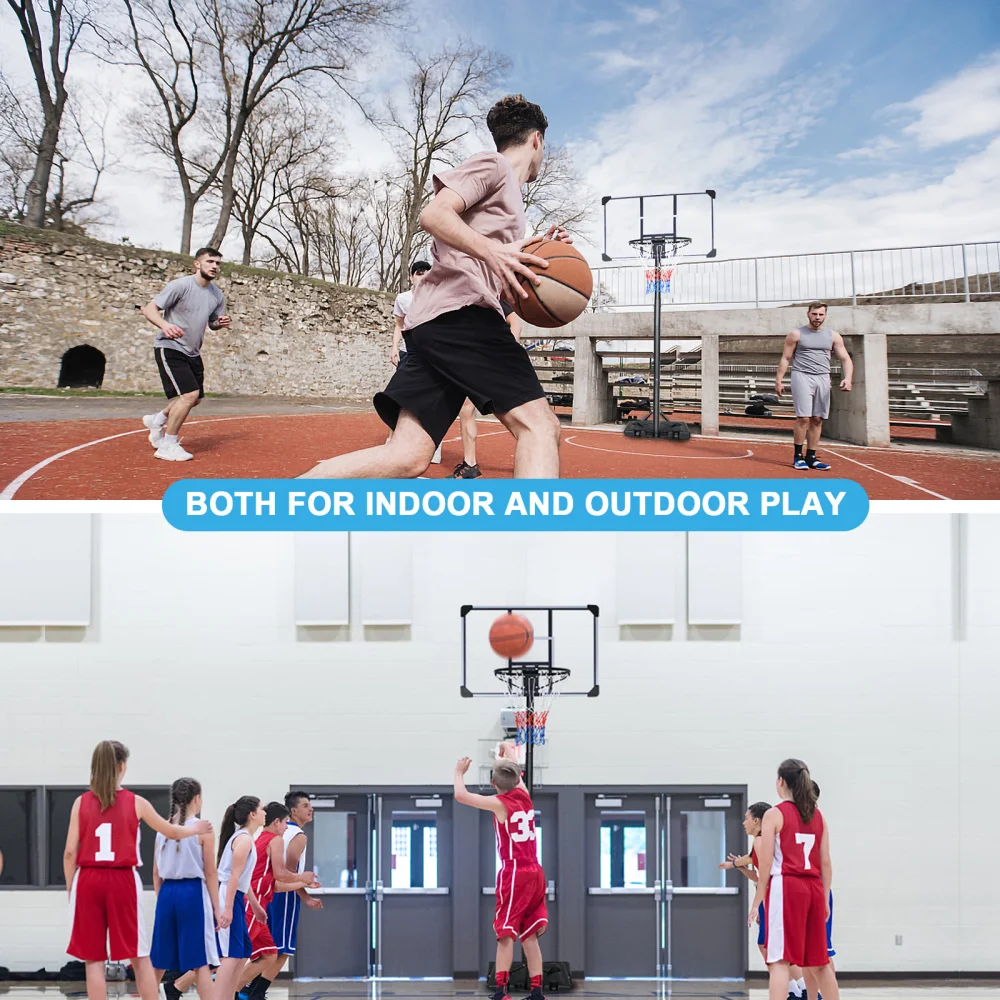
[[182, 793]]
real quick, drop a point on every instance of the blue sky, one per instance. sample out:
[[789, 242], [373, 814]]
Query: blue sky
[[823, 125]]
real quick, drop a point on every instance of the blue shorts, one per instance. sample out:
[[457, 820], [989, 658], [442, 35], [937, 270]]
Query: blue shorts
[[829, 930], [184, 931], [761, 926], [283, 921], [234, 941]]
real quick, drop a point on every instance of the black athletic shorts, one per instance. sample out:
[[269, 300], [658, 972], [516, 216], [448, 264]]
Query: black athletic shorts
[[179, 372], [466, 353]]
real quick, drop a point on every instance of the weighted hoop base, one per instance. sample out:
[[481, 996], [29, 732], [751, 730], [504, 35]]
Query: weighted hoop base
[[672, 430]]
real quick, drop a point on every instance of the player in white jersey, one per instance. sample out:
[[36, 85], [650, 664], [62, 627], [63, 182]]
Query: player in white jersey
[[187, 896], [284, 910]]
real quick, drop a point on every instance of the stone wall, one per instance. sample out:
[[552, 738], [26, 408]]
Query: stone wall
[[290, 336]]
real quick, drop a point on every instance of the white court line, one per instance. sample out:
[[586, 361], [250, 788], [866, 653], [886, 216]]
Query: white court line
[[10, 490], [15, 484], [646, 454], [888, 475]]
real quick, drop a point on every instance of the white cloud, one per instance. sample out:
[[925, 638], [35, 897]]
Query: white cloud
[[729, 119], [642, 15], [966, 106], [614, 62]]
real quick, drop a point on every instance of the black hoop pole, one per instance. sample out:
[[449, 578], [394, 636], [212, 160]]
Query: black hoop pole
[[657, 308], [530, 684]]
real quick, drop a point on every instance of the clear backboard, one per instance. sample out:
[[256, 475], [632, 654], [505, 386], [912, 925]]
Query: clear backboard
[[688, 214], [565, 639]]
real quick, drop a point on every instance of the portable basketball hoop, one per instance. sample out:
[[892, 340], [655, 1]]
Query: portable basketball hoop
[[533, 689], [660, 211]]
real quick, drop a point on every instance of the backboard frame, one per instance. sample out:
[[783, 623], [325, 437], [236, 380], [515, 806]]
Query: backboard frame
[[549, 661], [670, 233]]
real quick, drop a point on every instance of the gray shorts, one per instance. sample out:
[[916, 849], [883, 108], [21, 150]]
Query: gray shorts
[[811, 395]]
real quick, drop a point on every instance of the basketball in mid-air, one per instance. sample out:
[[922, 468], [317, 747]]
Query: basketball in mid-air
[[511, 636], [565, 289]]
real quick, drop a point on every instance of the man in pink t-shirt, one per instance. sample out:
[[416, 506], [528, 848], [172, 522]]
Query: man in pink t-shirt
[[458, 343]]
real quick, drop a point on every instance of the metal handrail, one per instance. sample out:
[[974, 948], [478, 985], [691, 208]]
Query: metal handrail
[[960, 271]]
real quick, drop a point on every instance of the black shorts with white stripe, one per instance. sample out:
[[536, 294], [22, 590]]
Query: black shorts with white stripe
[[179, 372]]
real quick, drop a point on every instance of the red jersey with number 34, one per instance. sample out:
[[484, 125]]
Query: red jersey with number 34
[[516, 835], [797, 847], [108, 838]]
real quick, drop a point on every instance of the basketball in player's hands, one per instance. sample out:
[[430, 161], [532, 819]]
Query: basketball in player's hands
[[564, 289], [511, 636]]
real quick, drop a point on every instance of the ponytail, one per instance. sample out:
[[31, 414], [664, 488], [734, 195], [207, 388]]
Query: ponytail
[[795, 774], [236, 815], [105, 763], [758, 809]]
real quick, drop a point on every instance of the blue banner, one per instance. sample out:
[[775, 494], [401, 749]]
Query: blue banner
[[811, 504]]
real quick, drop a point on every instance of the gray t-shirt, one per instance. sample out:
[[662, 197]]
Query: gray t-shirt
[[812, 352], [191, 306]]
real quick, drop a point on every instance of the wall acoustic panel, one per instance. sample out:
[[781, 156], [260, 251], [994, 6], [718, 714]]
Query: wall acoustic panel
[[715, 578], [45, 569], [322, 578], [646, 576], [384, 564]]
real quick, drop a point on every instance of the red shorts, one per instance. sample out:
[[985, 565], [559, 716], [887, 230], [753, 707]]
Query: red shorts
[[106, 908], [521, 909], [795, 921], [260, 936]]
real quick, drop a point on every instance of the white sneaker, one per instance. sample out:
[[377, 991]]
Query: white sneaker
[[172, 453], [155, 429]]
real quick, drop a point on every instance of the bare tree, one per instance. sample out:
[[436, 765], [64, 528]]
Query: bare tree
[[342, 234], [557, 196], [181, 46], [281, 150], [274, 44], [20, 126], [446, 95], [81, 161], [49, 53]]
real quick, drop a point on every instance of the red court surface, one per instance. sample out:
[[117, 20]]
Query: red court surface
[[111, 459]]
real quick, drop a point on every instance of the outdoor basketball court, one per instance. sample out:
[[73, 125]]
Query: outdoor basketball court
[[109, 458]]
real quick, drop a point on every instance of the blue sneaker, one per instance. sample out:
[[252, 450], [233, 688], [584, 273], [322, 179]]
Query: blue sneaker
[[799, 463], [818, 465]]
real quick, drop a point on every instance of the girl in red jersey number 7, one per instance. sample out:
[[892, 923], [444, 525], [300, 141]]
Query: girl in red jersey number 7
[[794, 884], [100, 861]]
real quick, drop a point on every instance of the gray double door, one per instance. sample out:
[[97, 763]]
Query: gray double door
[[385, 863], [657, 903]]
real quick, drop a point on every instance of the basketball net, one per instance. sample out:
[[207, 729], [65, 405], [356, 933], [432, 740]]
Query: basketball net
[[531, 724], [659, 276]]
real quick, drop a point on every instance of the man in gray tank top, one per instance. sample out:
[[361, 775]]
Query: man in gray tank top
[[807, 351]]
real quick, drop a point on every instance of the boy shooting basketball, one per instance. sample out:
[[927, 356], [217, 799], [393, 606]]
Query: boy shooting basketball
[[521, 911], [457, 342]]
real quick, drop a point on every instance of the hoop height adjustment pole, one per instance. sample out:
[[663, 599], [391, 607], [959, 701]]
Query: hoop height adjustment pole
[[658, 247], [530, 688]]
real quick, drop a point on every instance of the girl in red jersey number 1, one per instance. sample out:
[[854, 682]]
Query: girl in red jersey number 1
[[794, 884], [100, 862]]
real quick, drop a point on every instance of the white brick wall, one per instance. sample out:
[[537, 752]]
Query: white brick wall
[[846, 657]]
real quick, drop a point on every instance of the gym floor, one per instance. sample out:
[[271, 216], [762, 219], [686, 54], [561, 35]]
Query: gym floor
[[591, 990]]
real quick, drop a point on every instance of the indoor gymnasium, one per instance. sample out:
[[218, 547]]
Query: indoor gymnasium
[[655, 683]]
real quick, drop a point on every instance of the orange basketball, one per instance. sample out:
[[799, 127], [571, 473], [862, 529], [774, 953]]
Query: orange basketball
[[511, 636], [565, 290]]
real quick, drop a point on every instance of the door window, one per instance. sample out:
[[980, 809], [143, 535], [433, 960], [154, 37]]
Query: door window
[[335, 848], [623, 850]]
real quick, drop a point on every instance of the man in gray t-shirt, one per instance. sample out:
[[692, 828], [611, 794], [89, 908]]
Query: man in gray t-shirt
[[181, 313], [807, 351]]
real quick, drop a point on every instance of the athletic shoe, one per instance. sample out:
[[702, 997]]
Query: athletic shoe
[[818, 465], [800, 463], [172, 453], [155, 439], [463, 471]]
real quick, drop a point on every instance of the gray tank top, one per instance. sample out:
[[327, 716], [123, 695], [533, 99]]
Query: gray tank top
[[812, 352]]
